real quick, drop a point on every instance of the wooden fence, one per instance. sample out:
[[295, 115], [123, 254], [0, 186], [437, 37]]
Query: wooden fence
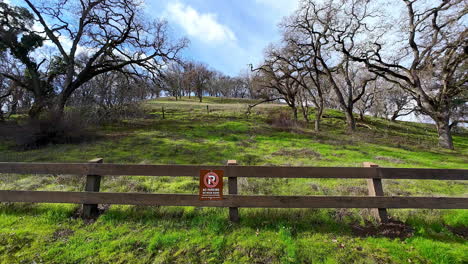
[[95, 169]]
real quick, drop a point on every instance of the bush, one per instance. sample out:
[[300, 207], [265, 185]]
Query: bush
[[283, 119], [72, 128], [51, 129]]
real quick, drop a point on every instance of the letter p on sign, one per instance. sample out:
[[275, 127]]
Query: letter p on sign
[[211, 185]]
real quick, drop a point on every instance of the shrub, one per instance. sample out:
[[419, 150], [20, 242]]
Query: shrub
[[51, 129], [283, 119]]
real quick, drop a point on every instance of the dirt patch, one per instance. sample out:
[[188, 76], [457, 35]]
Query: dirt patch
[[389, 159], [461, 231], [391, 229], [320, 189], [101, 209], [246, 143], [339, 155], [298, 153], [401, 193], [352, 190], [63, 233], [342, 213]]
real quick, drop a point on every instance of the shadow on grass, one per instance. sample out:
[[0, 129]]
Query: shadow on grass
[[339, 222]]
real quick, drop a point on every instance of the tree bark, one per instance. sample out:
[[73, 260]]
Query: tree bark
[[14, 108], [37, 108], [445, 133], [318, 118], [350, 120], [305, 114], [295, 113]]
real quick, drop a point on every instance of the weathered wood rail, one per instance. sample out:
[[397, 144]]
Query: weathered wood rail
[[95, 169]]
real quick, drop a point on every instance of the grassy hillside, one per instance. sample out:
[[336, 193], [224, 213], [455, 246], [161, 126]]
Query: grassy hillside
[[191, 135]]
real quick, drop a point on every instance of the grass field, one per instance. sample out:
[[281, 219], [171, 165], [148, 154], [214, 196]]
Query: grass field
[[190, 135]]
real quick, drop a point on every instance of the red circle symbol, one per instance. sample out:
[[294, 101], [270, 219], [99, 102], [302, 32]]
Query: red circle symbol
[[211, 179]]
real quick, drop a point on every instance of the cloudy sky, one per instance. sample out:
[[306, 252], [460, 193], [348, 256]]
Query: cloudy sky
[[227, 35]]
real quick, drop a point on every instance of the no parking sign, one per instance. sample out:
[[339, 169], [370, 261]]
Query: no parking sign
[[211, 185]]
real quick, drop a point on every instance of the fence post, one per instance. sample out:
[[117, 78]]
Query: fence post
[[163, 115], [232, 182], [207, 109], [375, 188], [93, 184]]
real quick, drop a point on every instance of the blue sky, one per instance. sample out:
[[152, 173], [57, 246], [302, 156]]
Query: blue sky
[[227, 35]]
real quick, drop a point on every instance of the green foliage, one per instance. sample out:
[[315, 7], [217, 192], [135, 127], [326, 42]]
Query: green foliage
[[17, 22]]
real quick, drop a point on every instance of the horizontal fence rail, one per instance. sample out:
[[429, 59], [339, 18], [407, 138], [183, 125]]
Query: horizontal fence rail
[[95, 169], [252, 201], [233, 171]]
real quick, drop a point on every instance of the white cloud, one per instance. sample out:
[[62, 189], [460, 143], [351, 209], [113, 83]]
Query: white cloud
[[202, 26]]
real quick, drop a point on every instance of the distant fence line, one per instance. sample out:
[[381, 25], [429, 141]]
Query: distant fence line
[[96, 169]]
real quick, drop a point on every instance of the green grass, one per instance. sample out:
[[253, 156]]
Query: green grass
[[189, 135]]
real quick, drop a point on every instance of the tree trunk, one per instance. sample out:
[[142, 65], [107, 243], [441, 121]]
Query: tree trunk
[[305, 112], [394, 116], [445, 133], [350, 120], [37, 108], [14, 108], [295, 113], [318, 118], [59, 110], [305, 115]]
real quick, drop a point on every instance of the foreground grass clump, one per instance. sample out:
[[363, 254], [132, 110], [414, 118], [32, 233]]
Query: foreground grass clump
[[124, 234], [190, 134]]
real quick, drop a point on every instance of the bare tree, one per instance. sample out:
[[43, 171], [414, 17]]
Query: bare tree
[[173, 79], [460, 113], [11, 96], [398, 103], [387, 100], [306, 72], [367, 101], [198, 76], [245, 80], [4, 93], [112, 95], [113, 33], [228, 86], [276, 78], [431, 60], [4, 89], [313, 24]]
